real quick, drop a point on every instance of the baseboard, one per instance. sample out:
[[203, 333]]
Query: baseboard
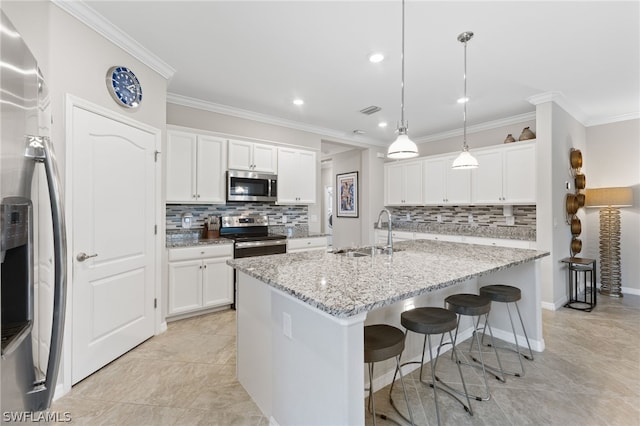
[[59, 392], [163, 327], [554, 306], [629, 290]]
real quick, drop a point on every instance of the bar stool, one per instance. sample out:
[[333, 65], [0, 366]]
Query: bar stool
[[509, 294], [428, 321], [473, 305], [382, 342]]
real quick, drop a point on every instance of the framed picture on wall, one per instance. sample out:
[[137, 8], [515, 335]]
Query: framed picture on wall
[[347, 194]]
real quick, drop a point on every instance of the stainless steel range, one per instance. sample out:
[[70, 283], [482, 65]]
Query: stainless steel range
[[250, 234]]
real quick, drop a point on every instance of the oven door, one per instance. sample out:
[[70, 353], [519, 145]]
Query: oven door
[[259, 248], [251, 186]]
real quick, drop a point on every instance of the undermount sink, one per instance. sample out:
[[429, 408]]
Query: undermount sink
[[364, 251]]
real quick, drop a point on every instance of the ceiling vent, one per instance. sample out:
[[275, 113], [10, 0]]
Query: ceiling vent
[[370, 110]]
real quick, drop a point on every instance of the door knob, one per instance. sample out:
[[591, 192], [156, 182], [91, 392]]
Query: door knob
[[82, 256]]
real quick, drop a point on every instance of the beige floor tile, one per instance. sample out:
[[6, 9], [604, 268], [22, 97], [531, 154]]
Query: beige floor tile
[[588, 375]]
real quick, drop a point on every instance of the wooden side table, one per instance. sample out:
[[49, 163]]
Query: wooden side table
[[586, 267]]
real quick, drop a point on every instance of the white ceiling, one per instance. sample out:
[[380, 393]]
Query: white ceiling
[[258, 56]]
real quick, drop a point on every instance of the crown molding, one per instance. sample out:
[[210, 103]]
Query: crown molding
[[88, 16], [598, 121], [176, 99], [559, 99], [489, 125], [576, 112]]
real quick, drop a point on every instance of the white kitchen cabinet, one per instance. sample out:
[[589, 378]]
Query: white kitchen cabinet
[[443, 185], [199, 278], [196, 166], [296, 176], [296, 245], [506, 175], [403, 183], [252, 156]]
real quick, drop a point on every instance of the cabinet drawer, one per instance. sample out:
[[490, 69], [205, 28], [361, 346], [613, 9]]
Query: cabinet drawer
[[200, 252], [306, 243]]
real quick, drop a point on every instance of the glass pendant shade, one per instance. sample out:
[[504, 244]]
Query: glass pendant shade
[[402, 147], [465, 161]]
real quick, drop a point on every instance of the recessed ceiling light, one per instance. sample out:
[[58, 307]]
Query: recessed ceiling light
[[463, 100], [376, 57], [298, 102], [382, 124]]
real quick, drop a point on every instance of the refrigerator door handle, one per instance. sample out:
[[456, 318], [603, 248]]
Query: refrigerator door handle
[[40, 149]]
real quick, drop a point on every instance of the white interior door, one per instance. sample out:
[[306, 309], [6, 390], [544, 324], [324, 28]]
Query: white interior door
[[113, 218]]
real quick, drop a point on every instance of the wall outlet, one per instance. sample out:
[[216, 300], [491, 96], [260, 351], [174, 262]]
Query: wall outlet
[[286, 325], [284, 219], [439, 218], [470, 218], [313, 218], [511, 221], [408, 217]]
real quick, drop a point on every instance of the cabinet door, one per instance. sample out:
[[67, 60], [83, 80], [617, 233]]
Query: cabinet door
[[413, 183], [393, 184], [457, 184], [211, 169], [265, 158], [296, 176], [185, 286], [181, 167], [487, 178], [434, 181], [520, 175], [240, 155], [217, 282]]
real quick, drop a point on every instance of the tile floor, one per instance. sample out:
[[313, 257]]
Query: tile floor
[[589, 374]]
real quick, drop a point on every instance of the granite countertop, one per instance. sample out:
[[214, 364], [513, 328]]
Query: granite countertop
[[292, 232], [469, 230], [344, 286], [191, 238]]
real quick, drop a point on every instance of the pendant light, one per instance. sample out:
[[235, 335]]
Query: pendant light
[[465, 160], [402, 147]]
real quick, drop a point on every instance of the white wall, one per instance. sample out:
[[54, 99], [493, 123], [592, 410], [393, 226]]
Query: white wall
[[612, 158], [347, 231]]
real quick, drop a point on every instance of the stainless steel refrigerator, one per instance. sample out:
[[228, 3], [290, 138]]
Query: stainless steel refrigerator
[[25, 151]]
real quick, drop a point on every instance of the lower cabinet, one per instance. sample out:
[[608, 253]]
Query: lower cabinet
[[199, 278], [306, 244]]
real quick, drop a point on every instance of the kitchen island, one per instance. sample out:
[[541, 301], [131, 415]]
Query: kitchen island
[[301, 318]]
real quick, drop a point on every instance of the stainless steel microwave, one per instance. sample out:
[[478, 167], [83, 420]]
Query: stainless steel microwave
[[251, 186]]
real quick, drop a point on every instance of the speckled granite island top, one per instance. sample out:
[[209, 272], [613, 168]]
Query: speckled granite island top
[[344, 286]]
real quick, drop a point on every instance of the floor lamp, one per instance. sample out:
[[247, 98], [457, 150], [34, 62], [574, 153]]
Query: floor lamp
[[609, 200]]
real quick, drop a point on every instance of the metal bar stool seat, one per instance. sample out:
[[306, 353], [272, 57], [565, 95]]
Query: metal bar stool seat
[[430, 321], [509, 294], [473, 305], [382, 342]]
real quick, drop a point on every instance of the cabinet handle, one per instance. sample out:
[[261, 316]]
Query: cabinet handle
[[193, 196], [205, 266]]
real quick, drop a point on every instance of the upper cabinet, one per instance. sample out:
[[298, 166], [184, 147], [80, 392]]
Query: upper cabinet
[[506, 175], [296, 176], [443, 185], [196, 166], [251, 156], [403, 183]]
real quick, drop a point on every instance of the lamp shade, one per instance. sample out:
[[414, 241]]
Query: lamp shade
[[465, 161], [609, 197], [402, 147]]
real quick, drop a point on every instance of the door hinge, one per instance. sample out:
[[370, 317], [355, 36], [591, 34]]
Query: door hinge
[[155, 229], [155, 303], [155, 155]]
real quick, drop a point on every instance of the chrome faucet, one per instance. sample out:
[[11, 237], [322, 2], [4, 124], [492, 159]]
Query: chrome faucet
[[389, 235]]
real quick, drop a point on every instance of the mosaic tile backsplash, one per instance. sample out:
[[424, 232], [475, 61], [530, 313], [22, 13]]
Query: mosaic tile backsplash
[[493, 216], [296, 215]]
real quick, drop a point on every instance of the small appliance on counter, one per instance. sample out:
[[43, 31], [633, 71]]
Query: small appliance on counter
[[211, 227]]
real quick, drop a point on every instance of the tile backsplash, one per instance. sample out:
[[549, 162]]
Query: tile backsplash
[[296, 215], [523, 216]]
